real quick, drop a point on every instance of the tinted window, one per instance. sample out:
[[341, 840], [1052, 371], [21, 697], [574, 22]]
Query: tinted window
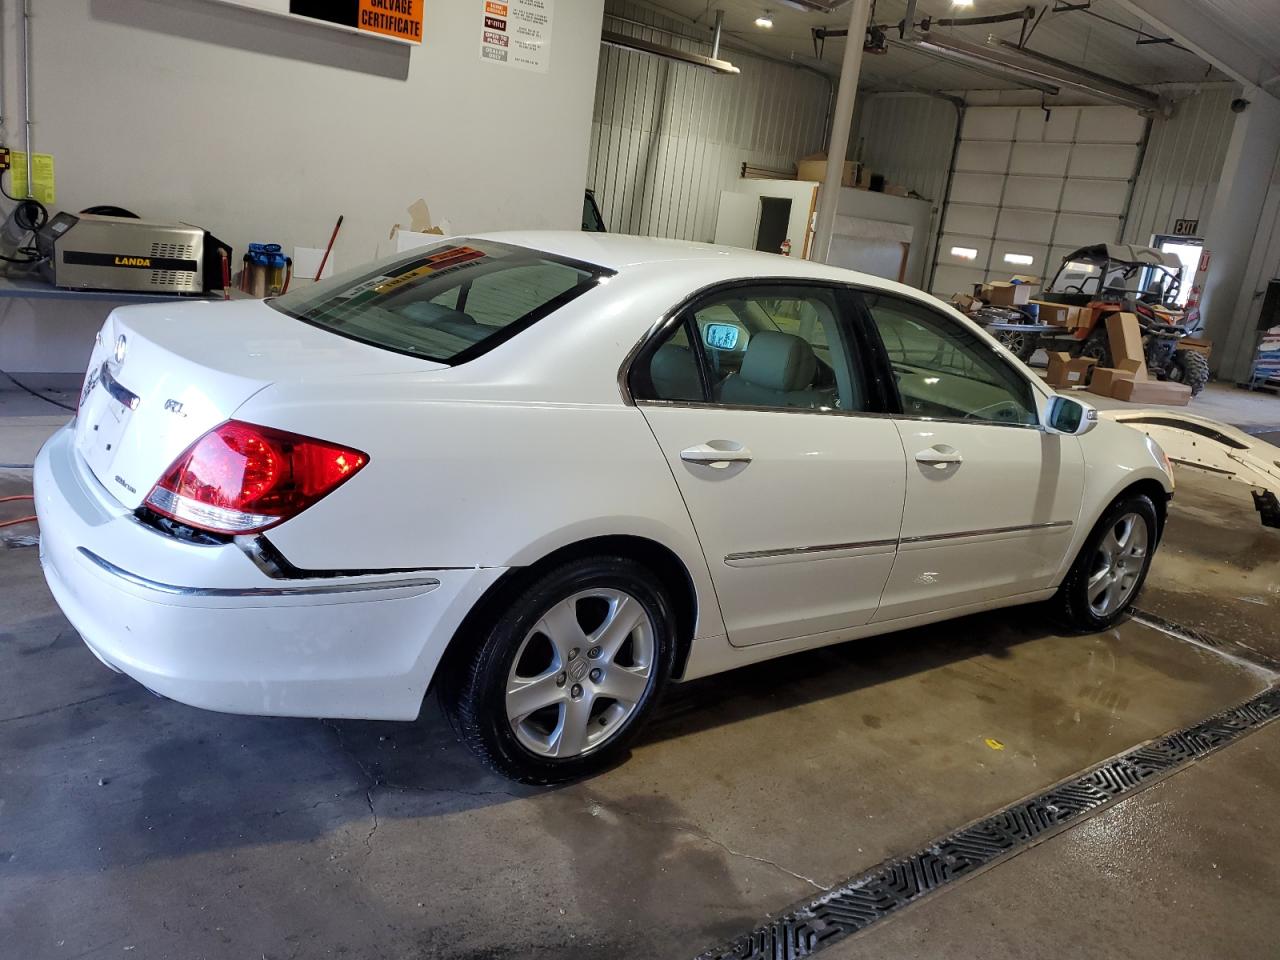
[[448, 303], [767, 346], [944, 369]]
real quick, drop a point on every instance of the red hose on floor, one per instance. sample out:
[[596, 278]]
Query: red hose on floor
[[10, 523]]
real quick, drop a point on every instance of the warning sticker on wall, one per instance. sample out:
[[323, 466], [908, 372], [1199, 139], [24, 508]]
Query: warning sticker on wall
[[42, 180], [516, 33], [401, 19]]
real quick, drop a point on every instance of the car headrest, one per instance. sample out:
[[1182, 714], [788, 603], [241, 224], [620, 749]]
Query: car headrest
[[674, 373], [779, 361]]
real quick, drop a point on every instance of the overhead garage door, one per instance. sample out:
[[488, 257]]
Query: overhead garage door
[[1032, 184]]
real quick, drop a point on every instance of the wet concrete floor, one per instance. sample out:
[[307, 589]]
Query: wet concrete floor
[[137, 827]]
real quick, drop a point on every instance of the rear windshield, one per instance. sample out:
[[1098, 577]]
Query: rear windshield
[[448, 303]]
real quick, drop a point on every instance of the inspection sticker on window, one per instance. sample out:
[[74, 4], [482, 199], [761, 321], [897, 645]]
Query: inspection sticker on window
[[517, 33], [722, 336]]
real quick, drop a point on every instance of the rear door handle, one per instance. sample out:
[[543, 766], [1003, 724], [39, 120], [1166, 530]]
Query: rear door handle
[[939, 455], [717, 454]]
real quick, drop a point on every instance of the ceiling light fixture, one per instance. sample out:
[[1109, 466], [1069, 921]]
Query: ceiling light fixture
[[962, 3], [764, 21]]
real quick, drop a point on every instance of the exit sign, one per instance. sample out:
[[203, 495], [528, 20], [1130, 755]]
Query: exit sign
[[1186, 228]]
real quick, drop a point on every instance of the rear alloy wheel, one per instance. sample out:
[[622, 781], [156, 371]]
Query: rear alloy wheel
[[1111, 567], [564, 680], [1190, 367]]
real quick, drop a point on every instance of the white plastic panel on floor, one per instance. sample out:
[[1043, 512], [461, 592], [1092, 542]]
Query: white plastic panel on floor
[[1032, 182]]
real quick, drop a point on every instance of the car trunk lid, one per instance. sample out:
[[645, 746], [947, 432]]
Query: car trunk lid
[[162, 376]]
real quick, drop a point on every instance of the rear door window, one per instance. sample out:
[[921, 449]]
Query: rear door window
[[447, 303]]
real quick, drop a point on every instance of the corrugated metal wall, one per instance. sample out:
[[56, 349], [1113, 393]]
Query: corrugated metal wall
[[1181, 166], [667, 137], [1235, 360], [909, 138]]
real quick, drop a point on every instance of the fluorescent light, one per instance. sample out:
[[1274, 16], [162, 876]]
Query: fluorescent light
[[964, 253], [764, 21], [962, 3], [1021, 259]]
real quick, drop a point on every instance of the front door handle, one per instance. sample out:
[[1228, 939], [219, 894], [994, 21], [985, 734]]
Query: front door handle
[[940, 455], [717, 454]]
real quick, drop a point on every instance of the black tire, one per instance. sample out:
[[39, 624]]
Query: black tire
[[1097, 346], [475, 694], [1189, 367], [1071, 605]]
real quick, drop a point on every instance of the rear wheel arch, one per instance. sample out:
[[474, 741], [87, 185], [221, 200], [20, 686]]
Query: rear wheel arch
[[660, 560]]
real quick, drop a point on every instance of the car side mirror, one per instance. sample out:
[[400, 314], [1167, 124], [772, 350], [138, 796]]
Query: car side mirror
[[1069, 416]]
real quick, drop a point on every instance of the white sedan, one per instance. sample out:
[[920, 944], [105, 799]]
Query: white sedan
[[552, 472]]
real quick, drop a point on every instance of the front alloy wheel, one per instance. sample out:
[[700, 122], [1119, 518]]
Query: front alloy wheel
[[1118, 562], [566, 670], [1110, 568]]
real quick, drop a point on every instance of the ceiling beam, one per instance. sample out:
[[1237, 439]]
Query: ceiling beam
[[1213, 41]]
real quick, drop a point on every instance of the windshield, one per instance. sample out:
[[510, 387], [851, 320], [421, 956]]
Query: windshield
[[1115, 279], [448, 303]]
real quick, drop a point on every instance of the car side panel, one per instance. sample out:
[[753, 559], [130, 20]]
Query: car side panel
[[481, 484]]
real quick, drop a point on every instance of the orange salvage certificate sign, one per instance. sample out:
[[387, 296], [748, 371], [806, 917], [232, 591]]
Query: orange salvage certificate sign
[[401, 19], [397, 19]]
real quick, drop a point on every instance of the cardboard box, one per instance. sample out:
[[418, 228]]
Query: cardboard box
[[1153, 391], [1058, 314], [1079, 369], [1025, 278], [1056, 374], [965, 303], [1105, 379], [814, 167], [1067, 371], [1005, 294], [1125, 337], [894, 190]]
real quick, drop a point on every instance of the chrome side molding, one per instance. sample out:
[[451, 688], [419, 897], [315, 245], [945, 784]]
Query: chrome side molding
[[422, 584], [782, 554], [754, 557], [990, 531]]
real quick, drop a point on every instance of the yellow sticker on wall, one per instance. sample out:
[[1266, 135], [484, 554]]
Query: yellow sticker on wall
[[41, 177]]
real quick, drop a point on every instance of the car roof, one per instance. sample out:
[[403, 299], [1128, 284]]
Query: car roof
[[623, 253]]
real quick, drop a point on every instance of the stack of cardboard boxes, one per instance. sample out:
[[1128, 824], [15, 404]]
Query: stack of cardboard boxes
[[1128, 379]]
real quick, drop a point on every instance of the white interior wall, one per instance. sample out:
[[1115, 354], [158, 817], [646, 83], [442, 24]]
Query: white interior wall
[[915, 215], [261, 129]]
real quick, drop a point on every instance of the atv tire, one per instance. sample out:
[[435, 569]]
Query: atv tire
[[1190, 367]]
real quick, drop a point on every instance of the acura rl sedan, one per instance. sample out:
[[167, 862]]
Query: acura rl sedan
[[549, 473]]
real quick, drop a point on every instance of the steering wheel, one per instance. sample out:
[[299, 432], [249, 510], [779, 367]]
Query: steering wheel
[[1074, 288]]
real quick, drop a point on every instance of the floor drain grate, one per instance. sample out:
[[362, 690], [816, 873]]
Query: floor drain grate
[[862, 901]]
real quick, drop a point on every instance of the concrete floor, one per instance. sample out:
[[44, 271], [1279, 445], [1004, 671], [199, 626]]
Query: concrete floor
[[137, 827]]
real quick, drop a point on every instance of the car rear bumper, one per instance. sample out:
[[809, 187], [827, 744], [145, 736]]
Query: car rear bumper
[[206, 626]]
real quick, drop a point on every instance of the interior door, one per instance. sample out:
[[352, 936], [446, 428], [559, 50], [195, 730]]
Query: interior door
[[991, 498], [754, 397]]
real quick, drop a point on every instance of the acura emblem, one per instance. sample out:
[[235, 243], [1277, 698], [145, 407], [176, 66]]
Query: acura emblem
[[121, 344]]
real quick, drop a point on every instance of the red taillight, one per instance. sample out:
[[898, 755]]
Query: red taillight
[[242, 478]]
